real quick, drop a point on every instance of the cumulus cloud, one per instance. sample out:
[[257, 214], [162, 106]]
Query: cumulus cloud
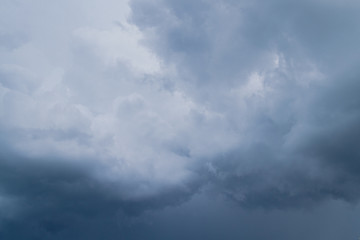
[[109, 109], [282, 75], [82, 86]]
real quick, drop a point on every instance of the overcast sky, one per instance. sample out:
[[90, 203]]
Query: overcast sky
[[179, 119]]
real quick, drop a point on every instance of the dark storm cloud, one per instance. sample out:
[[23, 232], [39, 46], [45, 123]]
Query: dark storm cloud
[[56, 201], [116, 129], [301, 149]]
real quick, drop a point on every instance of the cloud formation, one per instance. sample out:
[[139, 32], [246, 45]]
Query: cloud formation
[[283, 76], [111, 110]]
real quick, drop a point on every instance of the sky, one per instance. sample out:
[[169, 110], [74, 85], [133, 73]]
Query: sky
[[168, 119]]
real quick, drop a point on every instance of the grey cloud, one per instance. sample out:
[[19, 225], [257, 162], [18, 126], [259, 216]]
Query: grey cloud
[[53, 201], [301, 138], [11, 41], [125, 119]]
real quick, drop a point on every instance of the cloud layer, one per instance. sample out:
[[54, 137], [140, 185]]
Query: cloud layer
[[111, 110]]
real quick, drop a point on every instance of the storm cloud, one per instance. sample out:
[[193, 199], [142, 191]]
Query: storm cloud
[[136, 119]]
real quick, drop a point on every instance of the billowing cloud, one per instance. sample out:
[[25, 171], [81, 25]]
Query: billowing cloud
[[283, 75], [112, 111]]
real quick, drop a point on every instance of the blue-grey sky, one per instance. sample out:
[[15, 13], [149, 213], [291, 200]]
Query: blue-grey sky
[[179, 119]]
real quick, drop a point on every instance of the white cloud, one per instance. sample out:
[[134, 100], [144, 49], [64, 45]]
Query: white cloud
[[81, 85]]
